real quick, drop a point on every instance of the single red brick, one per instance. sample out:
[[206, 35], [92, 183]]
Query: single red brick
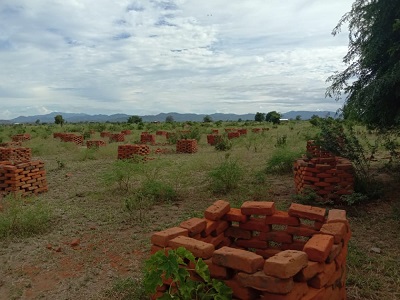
[[255, 224], [341, 258], [282, 218], [276, 236], [321, 279], [285, 264], [194, 225], [215, 240], [221, 227], [198, 248], [240, 292], [298, 291], [302, 230], [337, 230], [217, 271], [258, 208], [239, 233], [265, 283], [210, 227], [307, 212], [337, 215], [336, 249], [315, 294], [312, 269], [162, 238], [217, 210], [235, 215], [318, 247], [238, 259], [252, 243], [296, 245]]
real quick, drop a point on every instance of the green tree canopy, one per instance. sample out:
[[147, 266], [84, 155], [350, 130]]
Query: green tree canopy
[[207, 119], [371, 79], [169, 119], [273, 117], [58, 119], [259, 117], [134, 120]]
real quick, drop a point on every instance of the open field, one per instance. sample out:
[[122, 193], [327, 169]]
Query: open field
[[98, 231]]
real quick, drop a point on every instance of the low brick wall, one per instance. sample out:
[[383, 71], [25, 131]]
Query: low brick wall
[[21, 137], [69, 137], [96, 144], [186, 146], [213, 139], [23, 178], [15, 154], [233, 134], [105, 134], [264, 253], [117, 137], [242, 131], [147, 138], [129, 151]]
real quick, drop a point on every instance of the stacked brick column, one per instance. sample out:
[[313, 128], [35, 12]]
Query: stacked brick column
[[11, 144], [264, 253], [21, 137], [233, 134], [242, 131], [186, 146], [105, 134], [314, 150], [69, 137], [95, 144], [213, 139], [117, 137], [126, 132], [17, 154], [129, 151], [147, 138]]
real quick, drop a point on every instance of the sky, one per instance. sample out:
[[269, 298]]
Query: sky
[[151, 56]]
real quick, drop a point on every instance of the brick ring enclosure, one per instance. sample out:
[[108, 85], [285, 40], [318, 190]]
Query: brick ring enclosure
[[263, 253]]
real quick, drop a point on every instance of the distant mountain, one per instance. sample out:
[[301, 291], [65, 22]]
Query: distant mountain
[[81, 117]]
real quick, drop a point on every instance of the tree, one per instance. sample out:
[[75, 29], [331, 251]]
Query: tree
[[58, 119], [207, 119], [259, 117], [273, 117], [371, 79], [134, 120], [169, 119], [298, 118]]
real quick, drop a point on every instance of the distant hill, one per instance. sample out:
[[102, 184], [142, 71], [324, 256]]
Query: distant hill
[[81, 117]]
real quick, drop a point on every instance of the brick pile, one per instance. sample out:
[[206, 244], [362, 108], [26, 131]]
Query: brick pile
[[18, 154], [186, 146], [213, 139], [96, 144], [117, 137], [161, 132], [147, 138], [70, 137], [126, 132], [256, 130], [11, 144], [214, 131], [21, 137], [233, 134], [314, 150], [264, 253], [129, 151], [242, 131], [23, 177], [105, 134]]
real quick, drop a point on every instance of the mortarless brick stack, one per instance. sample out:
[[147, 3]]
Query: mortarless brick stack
[[256, 130], [233, 134], [95, 144], [263, 253], [242, 131], [147, 138], [129, 151], [17, 154], [126, 132], [105, 134], [161, 132], [314, 150], [213, 139], [214, 131], [21, 137], [73, 138], [186, 146], [11, 144], [22, 177], [117, 137]]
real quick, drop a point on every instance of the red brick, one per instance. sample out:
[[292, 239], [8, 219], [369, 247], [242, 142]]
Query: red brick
[[285, 264], [198, 248], [267, 253], [337, 215], [312, 269], [255, 224], [341, 258], [307, 212], [155, 249], [315, 294], [162, 238], [258, 208], [276, 236], [240, 292], [235, 215], [265, 283], [318, 247], [217, 271], [321, 279], [217, 210], [336, 249], [194, 225], [210, 227], [221, 227], [298, 291], [282, 218], [238, 259], [215, 240], [252, 243], [302, 230], [237, 232]]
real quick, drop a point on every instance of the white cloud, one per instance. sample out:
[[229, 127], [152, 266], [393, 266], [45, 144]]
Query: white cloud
[[145, 57]]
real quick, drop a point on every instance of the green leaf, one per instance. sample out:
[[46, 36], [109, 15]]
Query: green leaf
[[152, 280], [202, 270], [184, 253]]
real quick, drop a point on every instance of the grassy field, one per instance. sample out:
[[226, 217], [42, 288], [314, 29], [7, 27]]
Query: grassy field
[[88, 236]]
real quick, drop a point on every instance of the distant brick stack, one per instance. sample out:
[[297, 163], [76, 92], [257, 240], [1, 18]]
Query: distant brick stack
[[233, 134], [11, 144], [186, 146], [23, 178], [126, 132], [21, 137], [214, 131], [95, 144], [105, 134], [117, 137], [314, 150], [264, 253], [213, 139], [256, 130], [242, 131], [71, 137], [147, 138], [129, 151], [14, 155], [161, 132]]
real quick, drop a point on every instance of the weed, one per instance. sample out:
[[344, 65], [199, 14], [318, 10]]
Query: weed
[[226, 176], [223, 144], [158, 191], [121, 173], [126, 289], [60, 164], [307, 196], [281, 161], [281, 141]]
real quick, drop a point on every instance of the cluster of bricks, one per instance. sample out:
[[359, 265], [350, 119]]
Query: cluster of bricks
[[69, 137], [264, 253], [126, 132], [146, 137], [104, 134], [117, 137], [186, 146], [213, 139], [161, 132], [22, 178], [314, 150], [11, 144], [16, 154], [21, 137], [130, 151], [95, 144]]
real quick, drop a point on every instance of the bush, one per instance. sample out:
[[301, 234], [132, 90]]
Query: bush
[[281, 161], [223, 144], [158, 191], [23, 217], [121, 173], [226, 176]]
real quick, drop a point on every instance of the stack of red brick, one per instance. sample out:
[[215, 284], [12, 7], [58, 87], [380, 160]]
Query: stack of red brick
[[147, 138], [233, 134], [105, 134], [11, 144], [70, 137], [161, 132], [129, 151], [256, 130], [242, 131], [22, 177], [95, 144], [314, 150], [21, 137], [214, 131], [263, 253], [16, 154], [186, 146], [126, 132], [213, 139], [117, 137]]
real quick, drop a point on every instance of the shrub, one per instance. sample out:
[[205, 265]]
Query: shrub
[[158, 191], [223, 144], [226, 176], [121, 173], [281, 161]]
